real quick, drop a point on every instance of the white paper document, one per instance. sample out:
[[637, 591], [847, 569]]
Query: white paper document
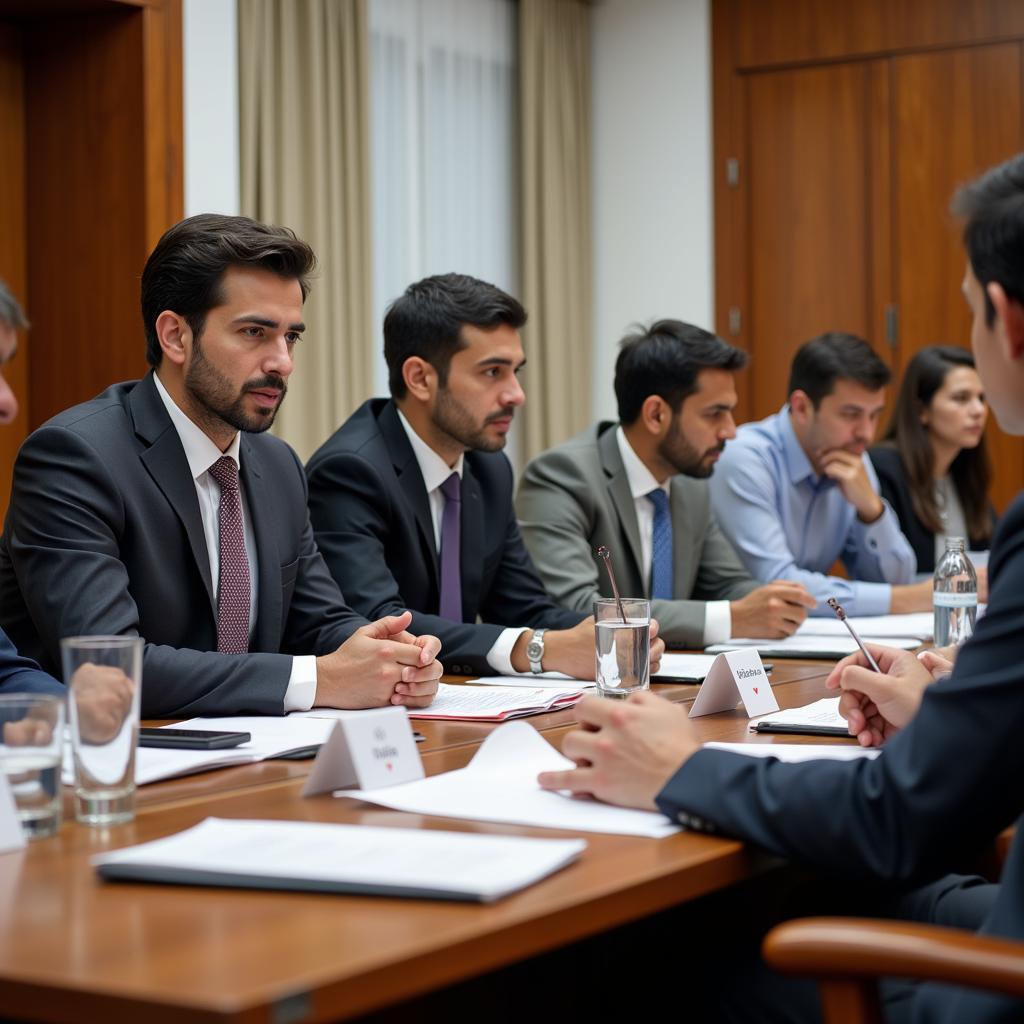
[[500, 784], [798, 751], [824, 712], [684, 668], [798, 646], [343, 858], [873, 627], [496, 703], [271, 737], [546, 680]]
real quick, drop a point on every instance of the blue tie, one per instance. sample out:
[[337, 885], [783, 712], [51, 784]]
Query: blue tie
[[661, 547]]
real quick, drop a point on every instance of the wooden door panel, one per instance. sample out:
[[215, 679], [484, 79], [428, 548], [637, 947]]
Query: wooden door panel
[[955, 113], [808, 216]]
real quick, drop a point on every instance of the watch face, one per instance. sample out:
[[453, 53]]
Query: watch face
[[534, 649]]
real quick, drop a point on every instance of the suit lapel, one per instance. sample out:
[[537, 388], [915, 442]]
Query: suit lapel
[[410, 479], [165, 462], [267, 634], [471, 569], [622, 497]]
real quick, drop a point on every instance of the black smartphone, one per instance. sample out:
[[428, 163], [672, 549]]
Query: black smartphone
[[191, 739], [802, 730]]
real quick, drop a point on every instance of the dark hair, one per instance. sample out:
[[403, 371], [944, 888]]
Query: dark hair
[[185, 270], [993, 208], [820, 362], [427, 321], [971, 469], [664, 360]]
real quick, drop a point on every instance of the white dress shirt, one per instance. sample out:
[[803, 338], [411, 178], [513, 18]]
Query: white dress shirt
[[435, 471], [717, 614], [201, 454]]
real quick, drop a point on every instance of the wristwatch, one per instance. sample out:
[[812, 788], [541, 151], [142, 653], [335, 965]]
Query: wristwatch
[[535, 651]]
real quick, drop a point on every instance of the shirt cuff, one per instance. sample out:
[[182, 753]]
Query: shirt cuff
[[301, 690], [499, 657], [717, 622]]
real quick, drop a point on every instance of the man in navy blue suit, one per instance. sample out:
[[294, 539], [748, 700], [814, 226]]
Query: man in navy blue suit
[[950, 776], [17, 674]]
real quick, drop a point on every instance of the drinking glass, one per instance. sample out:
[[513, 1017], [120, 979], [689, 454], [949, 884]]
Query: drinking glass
[[623, 646], [31, 740], [104, 680]]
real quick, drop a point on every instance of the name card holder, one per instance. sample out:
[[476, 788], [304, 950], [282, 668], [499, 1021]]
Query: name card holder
[[367, 750], [735, 676]]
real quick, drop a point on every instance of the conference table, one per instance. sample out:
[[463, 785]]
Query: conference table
[[74, 948]]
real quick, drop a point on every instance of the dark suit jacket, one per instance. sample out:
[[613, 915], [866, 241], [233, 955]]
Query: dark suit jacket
[[944, 786], [21, 675], [104, 535], [371, 514], [895, 488], [575, 498]]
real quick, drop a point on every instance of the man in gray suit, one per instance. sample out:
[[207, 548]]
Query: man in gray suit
[[161, 508], [639, 489]]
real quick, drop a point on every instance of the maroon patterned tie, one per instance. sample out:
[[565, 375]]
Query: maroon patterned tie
[[233, 590]]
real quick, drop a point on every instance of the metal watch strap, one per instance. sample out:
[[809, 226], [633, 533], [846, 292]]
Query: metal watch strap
[[536, 644]]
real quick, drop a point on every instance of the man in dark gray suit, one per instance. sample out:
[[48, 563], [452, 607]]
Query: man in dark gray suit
[[950, 777], [161, 508], [638, 488]]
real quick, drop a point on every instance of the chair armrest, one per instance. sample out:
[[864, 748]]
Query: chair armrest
[[856, 948]]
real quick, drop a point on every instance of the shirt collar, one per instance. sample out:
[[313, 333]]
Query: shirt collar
[[641, 479], [433, 468], [200, 451], [797, 463]]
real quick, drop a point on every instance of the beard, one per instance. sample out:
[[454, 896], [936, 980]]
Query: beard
[[215, 398], [457, 422], [685, 459]]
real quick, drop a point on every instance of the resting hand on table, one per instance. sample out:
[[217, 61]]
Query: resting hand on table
[[380, 664], [625, 750], [876, 705]]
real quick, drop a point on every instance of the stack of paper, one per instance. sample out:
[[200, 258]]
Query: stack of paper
[[500, 784], [319, 857], [873, 627], [473, 703], [271, 737], [798, 646]]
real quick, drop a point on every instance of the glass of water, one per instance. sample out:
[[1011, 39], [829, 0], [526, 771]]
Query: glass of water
[[623, 646], [31, 742], [104, 679]]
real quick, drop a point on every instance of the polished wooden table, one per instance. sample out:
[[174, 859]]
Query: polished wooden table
[[75, 949]]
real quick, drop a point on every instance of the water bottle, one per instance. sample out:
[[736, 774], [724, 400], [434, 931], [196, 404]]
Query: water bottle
[[955, 595]]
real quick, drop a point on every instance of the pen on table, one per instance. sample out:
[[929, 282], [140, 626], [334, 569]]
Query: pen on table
[[841, 616], [418, 737]]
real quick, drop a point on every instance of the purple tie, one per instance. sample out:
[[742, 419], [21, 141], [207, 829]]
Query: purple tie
[[233, 591], [451, 528]]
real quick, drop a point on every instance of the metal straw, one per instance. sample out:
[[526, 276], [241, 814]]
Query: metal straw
[[604, 554]]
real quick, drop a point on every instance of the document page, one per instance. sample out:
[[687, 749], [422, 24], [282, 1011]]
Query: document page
[[495, 703], [798, 646], [821, 712], [685, 667], [500, 784], [343, 858], [873, 627], [799, 751]]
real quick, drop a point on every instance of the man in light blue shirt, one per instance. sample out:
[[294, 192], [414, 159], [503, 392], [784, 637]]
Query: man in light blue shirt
[[797, 491]]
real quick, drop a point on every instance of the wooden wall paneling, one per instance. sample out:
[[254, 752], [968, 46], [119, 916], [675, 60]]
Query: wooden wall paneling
[[12, 235], [776, 32], [162, 70], [86, 204], [809, 210], [955, 113], [731, 278]]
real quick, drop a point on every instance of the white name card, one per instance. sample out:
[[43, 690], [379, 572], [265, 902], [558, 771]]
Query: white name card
[[736, 676], [11, 835], [366, 750]]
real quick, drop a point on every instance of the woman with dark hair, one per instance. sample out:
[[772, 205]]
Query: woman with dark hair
[[932, 465]]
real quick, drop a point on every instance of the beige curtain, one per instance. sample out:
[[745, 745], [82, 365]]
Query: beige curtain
[[304, 101], [554, 94]]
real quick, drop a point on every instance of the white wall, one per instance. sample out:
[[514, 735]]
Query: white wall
[[652, 164], [211, 106]]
